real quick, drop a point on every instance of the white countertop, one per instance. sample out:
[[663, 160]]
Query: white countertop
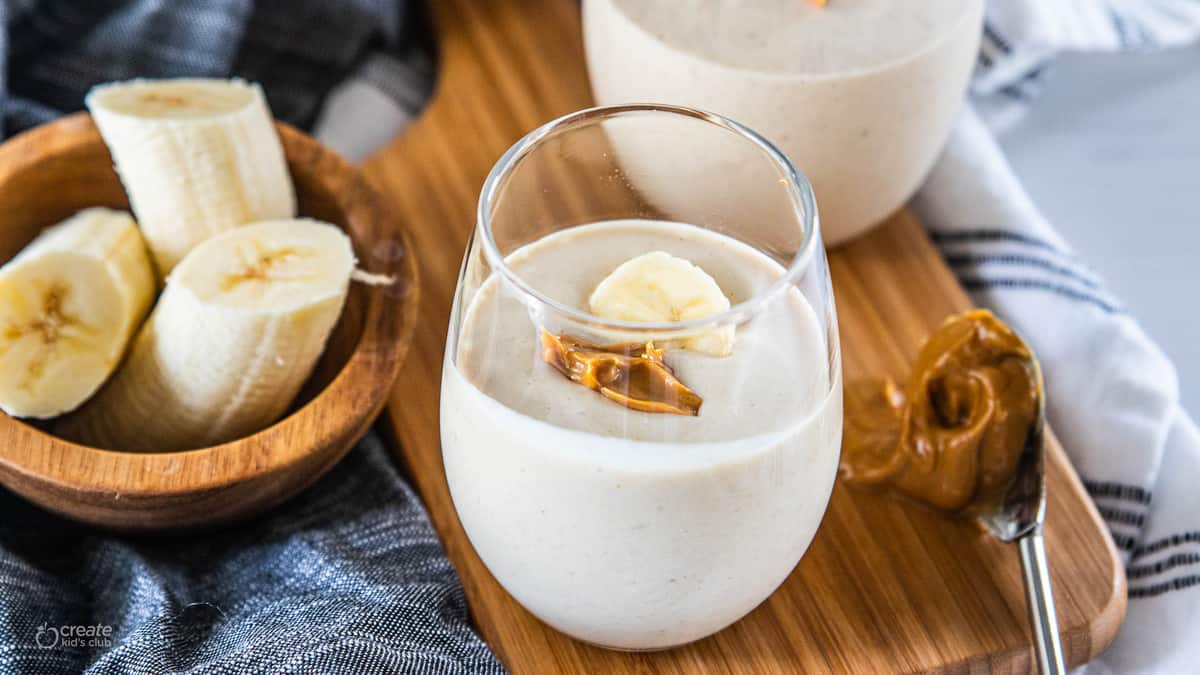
[[1111, 154]]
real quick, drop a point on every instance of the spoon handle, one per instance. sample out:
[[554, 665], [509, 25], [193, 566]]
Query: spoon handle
[[1041, 603]]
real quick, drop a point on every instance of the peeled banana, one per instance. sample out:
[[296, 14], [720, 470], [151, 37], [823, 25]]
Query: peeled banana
[[197, 157], [660, 287], [236, 332], [69, 304]]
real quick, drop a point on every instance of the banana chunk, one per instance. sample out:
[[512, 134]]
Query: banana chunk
[[238, 329], [197, 157], [69, 303], [660, 287]]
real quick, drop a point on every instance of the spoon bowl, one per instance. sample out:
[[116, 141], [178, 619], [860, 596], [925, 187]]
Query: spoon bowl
[[1018, 517]]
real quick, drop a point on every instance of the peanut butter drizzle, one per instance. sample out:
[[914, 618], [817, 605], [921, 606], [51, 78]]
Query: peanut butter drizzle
[[632, 374], [952, 438]]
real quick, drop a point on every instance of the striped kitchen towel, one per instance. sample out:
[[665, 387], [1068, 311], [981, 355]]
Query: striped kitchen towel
[[1112, 395], [1021, 37]]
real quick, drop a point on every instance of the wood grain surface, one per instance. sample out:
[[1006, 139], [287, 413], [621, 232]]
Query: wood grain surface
[[53, 171], [885, 587]]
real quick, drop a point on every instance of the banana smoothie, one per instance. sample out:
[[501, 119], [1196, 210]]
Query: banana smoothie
[[621, 527], [860, 94]]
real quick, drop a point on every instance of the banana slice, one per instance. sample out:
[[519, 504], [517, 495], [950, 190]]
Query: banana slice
[[238, 329], [69, 304], [196, 156], [659, 287]]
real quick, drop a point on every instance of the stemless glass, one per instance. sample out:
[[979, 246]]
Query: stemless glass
[[629, 529]]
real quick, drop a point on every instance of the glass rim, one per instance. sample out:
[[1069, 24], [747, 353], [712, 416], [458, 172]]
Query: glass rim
[[801, 192]]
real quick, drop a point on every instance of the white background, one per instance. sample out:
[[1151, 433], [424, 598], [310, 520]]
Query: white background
[[1111, 154]]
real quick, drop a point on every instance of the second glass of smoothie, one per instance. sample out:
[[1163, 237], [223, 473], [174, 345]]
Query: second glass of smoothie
[[641, 409]]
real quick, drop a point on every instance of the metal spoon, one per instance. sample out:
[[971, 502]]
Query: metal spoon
[[1018, 517]]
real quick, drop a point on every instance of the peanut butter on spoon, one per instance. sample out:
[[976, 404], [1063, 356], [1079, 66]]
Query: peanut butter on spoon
[[632, 374], [952, 437]]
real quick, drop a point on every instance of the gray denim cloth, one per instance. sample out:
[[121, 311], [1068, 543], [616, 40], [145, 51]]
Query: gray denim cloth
[[53, 51], [349, 576]]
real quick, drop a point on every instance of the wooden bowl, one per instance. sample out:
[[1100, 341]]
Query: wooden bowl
[[51, 172]]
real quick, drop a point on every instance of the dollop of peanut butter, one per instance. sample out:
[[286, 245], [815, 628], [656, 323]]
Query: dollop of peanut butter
[[952, 438], [632, 374]]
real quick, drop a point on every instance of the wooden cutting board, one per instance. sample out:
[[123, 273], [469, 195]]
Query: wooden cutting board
[[885, 587]]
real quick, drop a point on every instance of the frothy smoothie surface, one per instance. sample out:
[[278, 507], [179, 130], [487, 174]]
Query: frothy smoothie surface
[[797, 36], [777, 375]]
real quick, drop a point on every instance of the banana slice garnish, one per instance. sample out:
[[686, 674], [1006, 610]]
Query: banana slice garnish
[[660, 287]]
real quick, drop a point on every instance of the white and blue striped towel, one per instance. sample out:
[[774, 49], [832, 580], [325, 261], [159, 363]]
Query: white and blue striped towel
[[1112, 395]]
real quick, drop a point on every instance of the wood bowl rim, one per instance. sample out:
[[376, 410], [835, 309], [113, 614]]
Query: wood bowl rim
[[372, 366]]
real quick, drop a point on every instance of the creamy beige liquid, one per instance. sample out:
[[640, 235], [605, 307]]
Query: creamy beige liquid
[[629, 529], [800, 38], [860, 94]]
